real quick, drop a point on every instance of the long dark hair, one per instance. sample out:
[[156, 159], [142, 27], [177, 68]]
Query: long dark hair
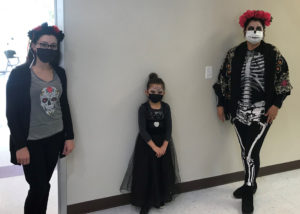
[[36, 33]]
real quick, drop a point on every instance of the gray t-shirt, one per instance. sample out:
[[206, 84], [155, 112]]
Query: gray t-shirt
[[46, 115]]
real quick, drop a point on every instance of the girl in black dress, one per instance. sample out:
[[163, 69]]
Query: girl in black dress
[[153, 169]]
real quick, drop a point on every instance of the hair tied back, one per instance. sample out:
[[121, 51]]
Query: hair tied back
[[153, 76]]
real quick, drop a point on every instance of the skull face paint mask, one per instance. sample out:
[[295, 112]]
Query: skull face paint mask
[[49, 97], [254, 37], [254, 34]]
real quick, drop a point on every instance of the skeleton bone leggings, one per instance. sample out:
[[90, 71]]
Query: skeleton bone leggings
[[251, 139]]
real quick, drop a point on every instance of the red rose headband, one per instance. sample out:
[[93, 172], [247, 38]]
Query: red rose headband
[[44, 29], [259, 14]]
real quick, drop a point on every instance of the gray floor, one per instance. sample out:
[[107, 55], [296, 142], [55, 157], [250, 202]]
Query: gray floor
[[13, 191], [276, 194]]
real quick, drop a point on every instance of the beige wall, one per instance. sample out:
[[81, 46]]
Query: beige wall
[[112, 45]]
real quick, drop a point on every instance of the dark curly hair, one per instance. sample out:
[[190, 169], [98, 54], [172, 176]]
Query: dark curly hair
[[36, 33], [45, 29]]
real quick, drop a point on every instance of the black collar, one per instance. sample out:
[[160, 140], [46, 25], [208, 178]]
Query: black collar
[[244, 48]]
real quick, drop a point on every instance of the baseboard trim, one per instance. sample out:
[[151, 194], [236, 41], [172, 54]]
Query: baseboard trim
[[119, 200]]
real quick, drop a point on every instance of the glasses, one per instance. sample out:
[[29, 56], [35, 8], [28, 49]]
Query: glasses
[[45, 45]]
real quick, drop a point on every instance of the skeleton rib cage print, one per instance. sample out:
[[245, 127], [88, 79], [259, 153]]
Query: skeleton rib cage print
[[251, 105]]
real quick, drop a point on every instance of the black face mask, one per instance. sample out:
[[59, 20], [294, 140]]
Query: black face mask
[[155, 98], [46, 55]]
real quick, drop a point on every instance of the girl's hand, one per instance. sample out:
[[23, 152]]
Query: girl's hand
[[221, 115], [23, 156], [158, 151], [272, 113], [164, 147], [69, 146]]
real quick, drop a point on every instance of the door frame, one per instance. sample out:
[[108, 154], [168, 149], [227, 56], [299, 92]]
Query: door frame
[[62, 163]]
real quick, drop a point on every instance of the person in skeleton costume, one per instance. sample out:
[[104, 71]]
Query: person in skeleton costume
[[153, 170], [38, 115], [251, 87]]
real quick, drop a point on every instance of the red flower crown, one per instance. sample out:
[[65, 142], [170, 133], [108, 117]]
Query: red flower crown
[[54, 27], [45, 29], [259, 14]]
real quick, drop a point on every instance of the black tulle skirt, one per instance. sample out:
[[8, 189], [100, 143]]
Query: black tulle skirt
[[151, 180]]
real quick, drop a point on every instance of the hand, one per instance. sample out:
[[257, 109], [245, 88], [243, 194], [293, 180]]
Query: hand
[[69, 146], [272, 113], [164, 147], [221, 115], [23, 156], [163, 150], [158, 151]]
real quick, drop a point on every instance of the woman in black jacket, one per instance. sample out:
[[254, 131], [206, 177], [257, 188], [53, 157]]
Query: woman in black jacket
[[38, 115], [251, 87]]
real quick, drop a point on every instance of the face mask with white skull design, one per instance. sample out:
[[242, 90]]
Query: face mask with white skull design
[[254, 37]]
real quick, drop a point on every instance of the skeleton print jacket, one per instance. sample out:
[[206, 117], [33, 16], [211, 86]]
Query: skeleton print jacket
[[18, 107], [228, 85]]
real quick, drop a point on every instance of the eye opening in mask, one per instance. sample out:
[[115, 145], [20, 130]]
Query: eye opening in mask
[[156, 92], [252, 28]]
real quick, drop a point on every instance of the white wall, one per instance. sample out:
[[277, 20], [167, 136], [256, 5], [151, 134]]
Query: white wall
[[110, 48]]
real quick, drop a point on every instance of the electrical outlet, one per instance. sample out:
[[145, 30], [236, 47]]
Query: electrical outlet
[[208, 72]]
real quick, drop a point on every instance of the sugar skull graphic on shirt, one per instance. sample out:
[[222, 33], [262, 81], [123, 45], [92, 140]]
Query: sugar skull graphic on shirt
[[49, 98]]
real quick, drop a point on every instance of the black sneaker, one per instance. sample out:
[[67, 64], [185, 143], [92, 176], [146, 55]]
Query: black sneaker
[[247, 201], [144, 210], [238, 193]]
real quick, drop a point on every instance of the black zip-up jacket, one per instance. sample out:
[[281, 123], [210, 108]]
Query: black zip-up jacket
[[228, 85], [18, 107]]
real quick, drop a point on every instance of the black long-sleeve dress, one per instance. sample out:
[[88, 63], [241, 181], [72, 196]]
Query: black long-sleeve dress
[[151, 180]]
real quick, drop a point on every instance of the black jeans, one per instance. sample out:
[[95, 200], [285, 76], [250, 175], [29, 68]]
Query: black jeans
[[44, 155], [251, 139]]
